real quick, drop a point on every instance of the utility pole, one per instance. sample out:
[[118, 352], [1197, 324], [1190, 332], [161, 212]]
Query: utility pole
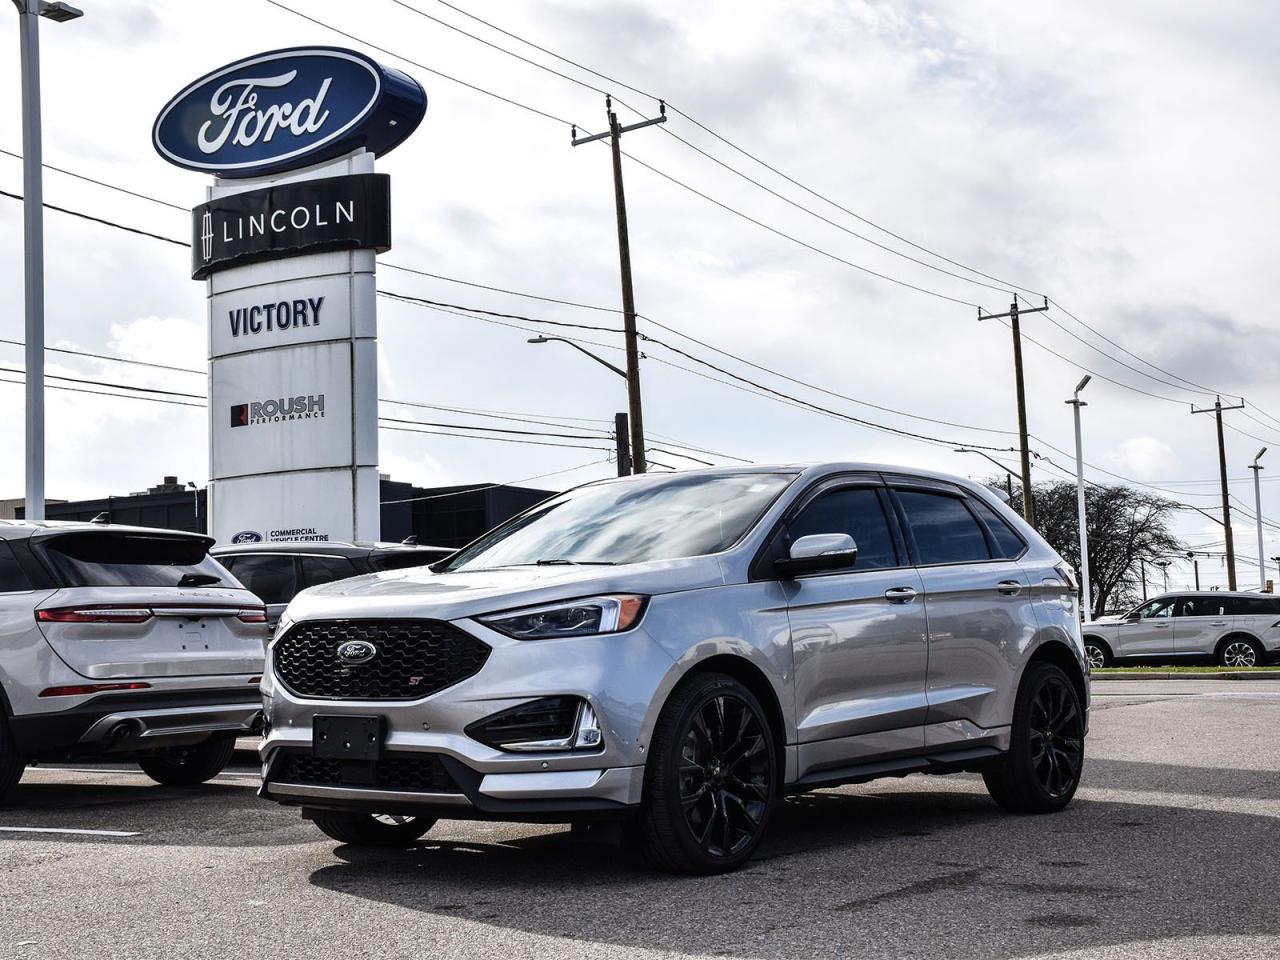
[[1276, 561], [1142, 572], [1196, 563], [1086, 593], [29, 14], [1257, 511], [614, 135], [620, 433], [1028, 507], [1216, 410]]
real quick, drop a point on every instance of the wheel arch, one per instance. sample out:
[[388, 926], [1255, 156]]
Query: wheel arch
[[1066, 659], [1101, 641], [1237, 635]]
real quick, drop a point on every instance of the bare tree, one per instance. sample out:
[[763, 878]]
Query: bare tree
[[1125, 526]]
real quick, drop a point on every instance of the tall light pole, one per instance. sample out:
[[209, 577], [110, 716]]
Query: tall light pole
[[1086, 592], [29, 12], [1257, 511]]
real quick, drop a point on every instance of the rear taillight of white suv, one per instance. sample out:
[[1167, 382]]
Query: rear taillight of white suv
[[117, 613]]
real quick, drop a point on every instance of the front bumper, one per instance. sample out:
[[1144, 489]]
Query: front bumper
[[621, 676], [137, 722]]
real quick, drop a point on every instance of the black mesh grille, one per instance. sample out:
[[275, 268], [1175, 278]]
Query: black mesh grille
[[414, 658], [415, 773]]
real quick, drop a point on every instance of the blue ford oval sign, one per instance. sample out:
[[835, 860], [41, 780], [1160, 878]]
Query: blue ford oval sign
[[286, 109]]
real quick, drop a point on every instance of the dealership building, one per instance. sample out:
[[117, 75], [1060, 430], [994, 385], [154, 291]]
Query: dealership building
[[437, 516]]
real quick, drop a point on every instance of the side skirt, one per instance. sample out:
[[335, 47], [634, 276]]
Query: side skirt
[[942, 761]]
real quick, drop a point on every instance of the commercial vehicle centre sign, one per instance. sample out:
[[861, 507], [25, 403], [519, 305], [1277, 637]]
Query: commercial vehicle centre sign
[[286, 244]]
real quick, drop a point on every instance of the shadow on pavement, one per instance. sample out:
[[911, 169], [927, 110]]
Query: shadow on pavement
[[845, 874]]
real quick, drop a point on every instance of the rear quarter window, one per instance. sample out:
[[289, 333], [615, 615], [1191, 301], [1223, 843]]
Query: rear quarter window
[[13, 579], [109, 559]]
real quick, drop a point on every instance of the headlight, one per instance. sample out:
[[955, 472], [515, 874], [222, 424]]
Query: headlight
[[574, 618]]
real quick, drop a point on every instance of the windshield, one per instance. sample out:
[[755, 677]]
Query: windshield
[[110, 559], [657, 518]]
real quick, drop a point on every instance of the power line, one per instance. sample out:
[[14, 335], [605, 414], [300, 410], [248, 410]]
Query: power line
[[102, 183], [104, 222], [494, 486]]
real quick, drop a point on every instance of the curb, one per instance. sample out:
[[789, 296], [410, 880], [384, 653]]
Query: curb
[[1160, 675]]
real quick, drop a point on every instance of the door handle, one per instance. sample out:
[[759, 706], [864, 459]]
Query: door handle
[[1161, 625], [1010, 588], [1218, 623], [900, 594]]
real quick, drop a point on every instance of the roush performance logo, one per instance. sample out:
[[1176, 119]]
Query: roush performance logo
[[277, 411]]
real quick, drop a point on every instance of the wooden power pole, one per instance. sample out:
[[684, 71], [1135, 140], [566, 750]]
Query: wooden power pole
[[1216, 410]]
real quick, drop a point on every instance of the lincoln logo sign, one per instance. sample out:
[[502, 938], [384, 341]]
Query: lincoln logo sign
[[287, 109]]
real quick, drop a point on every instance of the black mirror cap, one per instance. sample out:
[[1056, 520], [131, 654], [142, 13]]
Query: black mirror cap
[[787, 568]]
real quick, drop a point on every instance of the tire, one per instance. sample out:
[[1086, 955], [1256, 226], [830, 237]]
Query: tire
[[372, 829], [1241, 653], [1097, 653], [189, 766], [1041, 771], [11, 764], [711, 782]]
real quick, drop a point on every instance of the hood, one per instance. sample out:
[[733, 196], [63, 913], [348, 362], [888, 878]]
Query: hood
[[417, 592]]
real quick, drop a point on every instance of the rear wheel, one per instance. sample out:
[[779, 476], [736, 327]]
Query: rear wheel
[[1240, 652], [11, 765], [373, 829], [1042, 769], [1097, 653], [188, 766], [711, 780]]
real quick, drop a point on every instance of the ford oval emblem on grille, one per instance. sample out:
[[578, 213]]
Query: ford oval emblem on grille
[[356, 651]]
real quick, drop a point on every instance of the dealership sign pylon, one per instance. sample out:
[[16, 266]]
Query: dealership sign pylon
[[286, 246]]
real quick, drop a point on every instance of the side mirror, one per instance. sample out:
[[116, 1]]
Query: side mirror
[[819, 551], [1132, 617]]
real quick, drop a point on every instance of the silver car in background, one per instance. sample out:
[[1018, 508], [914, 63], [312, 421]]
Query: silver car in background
[[1232, 629], [123, 643], [678, 651]]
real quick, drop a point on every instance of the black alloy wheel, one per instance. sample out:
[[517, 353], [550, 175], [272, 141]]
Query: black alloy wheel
[[373, 829], [712, 777], [1042, 769], [191, 765]]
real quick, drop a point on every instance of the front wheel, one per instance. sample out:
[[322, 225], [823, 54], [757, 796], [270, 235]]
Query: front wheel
[[188, 766], [1097, 653], [373, 829], [711, 781], [1240, 653], [1042, 769]]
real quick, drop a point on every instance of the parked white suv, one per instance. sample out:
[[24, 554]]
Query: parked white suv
[[123, 643], [1234, 629]]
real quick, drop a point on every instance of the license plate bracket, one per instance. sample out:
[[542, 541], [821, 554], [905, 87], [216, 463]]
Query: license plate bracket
[[348, 737]]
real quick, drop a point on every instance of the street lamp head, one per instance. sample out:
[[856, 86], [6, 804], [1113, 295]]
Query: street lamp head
[[59, 12], [1260, 453], [1083, 383], [538, 340]]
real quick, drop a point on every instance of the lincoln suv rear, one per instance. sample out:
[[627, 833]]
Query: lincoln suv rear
[[123, 643], [677, 652]]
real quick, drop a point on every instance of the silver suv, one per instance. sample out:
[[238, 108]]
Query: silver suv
[[123, 643], [1234, 629], [679, 651]]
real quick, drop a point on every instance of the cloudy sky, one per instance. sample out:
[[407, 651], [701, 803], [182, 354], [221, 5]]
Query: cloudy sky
[[1118, 157]]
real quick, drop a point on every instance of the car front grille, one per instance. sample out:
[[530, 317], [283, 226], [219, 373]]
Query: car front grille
[[413, 658], [411, 773]]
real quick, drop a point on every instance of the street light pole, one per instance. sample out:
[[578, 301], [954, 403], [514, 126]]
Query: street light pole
[[1257, 512], [1086, 592], [626, 462], [29, 12]]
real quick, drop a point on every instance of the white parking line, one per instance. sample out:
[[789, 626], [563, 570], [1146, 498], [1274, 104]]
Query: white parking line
[[83, 833]]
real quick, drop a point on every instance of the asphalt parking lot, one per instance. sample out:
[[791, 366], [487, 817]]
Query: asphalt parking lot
[[1171, 850]]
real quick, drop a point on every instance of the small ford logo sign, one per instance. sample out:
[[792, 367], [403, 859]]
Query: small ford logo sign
[[247, 536], [286, 109], [356, 651]]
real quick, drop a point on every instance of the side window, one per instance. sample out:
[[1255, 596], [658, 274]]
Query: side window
[[1249, 606], [318, 570], [12, 577], [270, 577], [1202, 607], [944, 529], [857, 512], [1008, 543], [1156, 609]]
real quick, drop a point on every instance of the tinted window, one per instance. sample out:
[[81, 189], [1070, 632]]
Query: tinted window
[[857, 512], [944, 529], [1250, 606], [318, 570], [270, 578], [12, 578], [130, 560], [1201, 607], [1008, 543]]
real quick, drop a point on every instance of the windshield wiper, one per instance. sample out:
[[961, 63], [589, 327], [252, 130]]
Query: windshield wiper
[[198, 580], [560, 562]]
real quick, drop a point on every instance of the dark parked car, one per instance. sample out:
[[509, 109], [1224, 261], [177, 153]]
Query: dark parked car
[[277, 572]]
